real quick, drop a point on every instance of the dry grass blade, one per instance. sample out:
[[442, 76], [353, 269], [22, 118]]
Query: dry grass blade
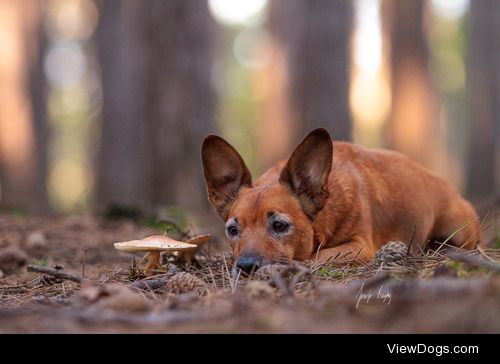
[[463, 226]]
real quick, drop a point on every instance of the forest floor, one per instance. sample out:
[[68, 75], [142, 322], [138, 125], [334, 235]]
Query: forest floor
[[440, 291]]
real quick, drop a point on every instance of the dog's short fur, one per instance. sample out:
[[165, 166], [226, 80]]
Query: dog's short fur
[[331, 200]]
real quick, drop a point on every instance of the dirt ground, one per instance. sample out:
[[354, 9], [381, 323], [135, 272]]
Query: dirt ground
[[439, 291]]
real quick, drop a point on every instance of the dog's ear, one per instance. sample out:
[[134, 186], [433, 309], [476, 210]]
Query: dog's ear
[[225, 173], [306, 172]]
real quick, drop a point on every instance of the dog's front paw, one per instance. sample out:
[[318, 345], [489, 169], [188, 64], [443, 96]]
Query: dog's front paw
[[391, 253]]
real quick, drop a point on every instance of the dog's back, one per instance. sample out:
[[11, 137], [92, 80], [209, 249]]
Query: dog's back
[[386, 195]]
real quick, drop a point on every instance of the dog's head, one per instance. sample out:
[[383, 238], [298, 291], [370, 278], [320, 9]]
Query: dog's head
[[270, 221]]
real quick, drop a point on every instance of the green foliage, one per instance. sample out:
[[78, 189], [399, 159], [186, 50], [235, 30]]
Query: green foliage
[[172, 220], [44, 262], [464, 270], [329, 271], [16, 213]]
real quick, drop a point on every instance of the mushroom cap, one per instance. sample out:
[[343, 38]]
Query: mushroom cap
[[153, 243], [199, 240]]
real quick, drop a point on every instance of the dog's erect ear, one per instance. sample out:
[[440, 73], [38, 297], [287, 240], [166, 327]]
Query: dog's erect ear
[[225, 173], [306, 172]]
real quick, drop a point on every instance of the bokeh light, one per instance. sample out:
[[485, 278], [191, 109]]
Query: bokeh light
[[68, 183], [368, 36], [450, 9], [370, 95], [237, 12], [65, 63], [251, 48], [74, 19]]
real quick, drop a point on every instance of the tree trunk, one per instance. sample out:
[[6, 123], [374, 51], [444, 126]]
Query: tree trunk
[[124, 178], [316, 38], [483, 88], [158, 102], [23, 128], [413, 127], [182, 100]]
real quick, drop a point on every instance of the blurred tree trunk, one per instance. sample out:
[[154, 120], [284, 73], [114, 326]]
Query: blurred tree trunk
[[182, 98], [23, 127], [124, 173], [483, 86], [413, 127], [315, 36], [158, 102]]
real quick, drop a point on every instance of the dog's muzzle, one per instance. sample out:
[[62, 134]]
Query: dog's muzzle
[[249, 262]]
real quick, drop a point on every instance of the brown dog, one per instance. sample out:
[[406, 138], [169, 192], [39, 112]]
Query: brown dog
[[330, 200]]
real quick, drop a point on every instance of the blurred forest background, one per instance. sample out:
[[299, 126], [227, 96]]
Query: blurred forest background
[[104, 103]]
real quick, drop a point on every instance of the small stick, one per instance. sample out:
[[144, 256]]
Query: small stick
[[483, 253], [411, 240], [84, 263], [473, 260], [54, 273]]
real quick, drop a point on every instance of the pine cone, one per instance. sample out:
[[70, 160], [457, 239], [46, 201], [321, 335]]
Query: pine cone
[[50, 280], [184, 283], [391, 253], [267, 271]]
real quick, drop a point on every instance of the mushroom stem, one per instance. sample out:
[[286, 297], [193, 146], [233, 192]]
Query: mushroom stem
[[153, 263]]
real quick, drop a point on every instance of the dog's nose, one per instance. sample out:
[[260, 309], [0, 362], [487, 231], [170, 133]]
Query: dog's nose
[[248, 263]]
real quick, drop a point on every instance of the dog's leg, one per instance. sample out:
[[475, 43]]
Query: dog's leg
[[355, 250], [460, 220]]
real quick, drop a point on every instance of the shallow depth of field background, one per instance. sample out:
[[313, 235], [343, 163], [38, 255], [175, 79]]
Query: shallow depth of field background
[[104, 104]]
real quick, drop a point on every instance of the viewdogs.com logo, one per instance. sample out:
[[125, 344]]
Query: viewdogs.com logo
[[437, 350]]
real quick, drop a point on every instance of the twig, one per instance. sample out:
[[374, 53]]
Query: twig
[[412, 239], [473, 260], [84, 263], [54, 273], [483, 253], [317, 250], [27, 284]]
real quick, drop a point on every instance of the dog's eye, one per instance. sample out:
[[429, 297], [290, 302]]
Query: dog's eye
[[232, 230], [280, 226]]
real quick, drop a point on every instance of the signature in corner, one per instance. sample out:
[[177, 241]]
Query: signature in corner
[[369, 296]]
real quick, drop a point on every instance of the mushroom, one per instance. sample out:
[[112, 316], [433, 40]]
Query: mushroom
[[153, 246], [187, 254]]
